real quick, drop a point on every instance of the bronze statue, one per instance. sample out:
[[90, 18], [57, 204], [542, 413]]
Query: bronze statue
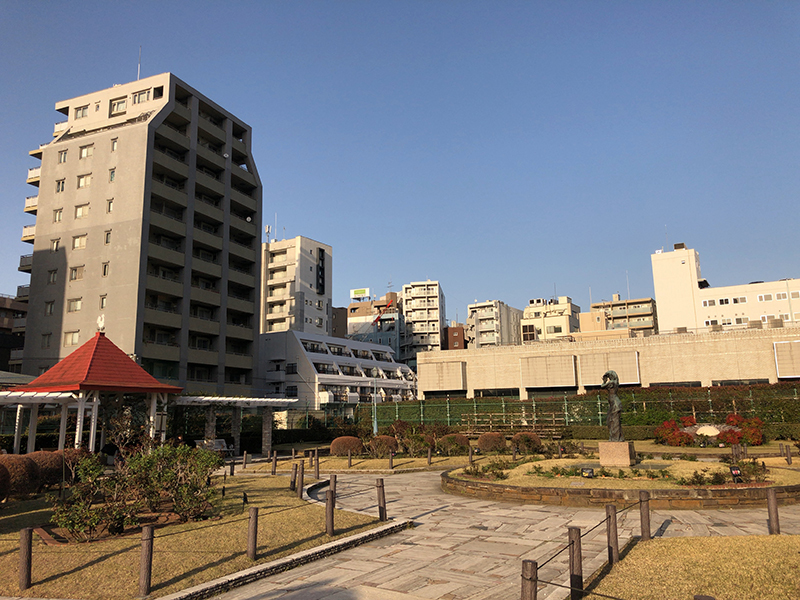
[[614, 419]]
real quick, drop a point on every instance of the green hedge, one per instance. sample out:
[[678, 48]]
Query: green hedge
[[782, 431]]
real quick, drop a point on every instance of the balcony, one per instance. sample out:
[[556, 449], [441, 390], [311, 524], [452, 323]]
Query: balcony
[[19, 325], [16, 355], [37, 153], [34, 175], [23, 292], [28, 233], [25, 263], [60, 128], [31, 204]]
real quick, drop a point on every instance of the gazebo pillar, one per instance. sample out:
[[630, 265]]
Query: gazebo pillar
[[211, 422], [236, 429], [79, 420], [93, 425], [32, 423], [62, 426], [266, 432], [18, 429], [151, 416]]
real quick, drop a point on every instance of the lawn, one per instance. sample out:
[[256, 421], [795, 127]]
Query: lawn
[[184, 554], [726, 568]]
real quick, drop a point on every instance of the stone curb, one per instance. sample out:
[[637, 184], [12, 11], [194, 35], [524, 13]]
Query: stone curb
[[234, 580]]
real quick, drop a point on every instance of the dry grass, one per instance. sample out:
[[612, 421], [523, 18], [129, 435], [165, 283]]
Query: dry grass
[[184, 554], [338, 464], [726, 568]]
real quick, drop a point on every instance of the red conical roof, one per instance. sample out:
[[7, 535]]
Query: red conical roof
[[98, 365]]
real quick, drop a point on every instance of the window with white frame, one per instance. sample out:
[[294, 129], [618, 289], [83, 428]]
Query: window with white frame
[[87, 151], [105, 269], [709, 302], [107, 238], [112, 175], [79, 242], [724, 301], [781, 296], [119, 105], [725, 322], [46, 340], [765, 297], [48, 307], [710, 322], [82, 112], [76, 273], [55, 244], [110, 205], [742, 320], [114, 145], [81, 211], [795, 295], [62, 156], [52, 276], [139, 97], [74, 304], [785, 317], [84, 181], [740, 300], [58, 214], [103, 301], [59, 186], [71, 338]]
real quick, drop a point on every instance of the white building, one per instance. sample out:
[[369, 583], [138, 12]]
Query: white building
[[424, 312], [297, 280], [493, 323], [551, 319]]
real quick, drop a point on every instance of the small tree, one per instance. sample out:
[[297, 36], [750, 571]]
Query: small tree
[[492, 441], [382, 445]]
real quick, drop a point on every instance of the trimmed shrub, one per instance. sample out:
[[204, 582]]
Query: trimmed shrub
[[23, 472], [454, 444], [527, 442], [492, 441], [782, 431], [380, 446], [5, 483], [50, 466], [341, 445], [416, 444]]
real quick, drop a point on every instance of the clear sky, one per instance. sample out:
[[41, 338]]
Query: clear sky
[[511, 150]]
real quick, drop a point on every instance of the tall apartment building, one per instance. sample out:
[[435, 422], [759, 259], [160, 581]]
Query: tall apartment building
[[297, 278], [545, 319], [686, 301], [638, 315], [377, 321], [424, 312], [493, 323], [148, 216]]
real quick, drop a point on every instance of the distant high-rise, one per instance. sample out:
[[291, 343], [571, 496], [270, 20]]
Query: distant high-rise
[[424, 312], [493, 323], [148, 216]]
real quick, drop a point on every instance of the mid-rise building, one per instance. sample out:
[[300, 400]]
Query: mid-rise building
[[13, 319], [686, 301], [425, 314], [454, 337], [551, 319], [493, 323], [637, 315], [148, 216], [377, 321]]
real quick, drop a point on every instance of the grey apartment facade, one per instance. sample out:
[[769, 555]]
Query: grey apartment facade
[[148, 219]]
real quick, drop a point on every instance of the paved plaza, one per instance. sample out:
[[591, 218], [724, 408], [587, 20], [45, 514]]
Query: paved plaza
[[469, 549]]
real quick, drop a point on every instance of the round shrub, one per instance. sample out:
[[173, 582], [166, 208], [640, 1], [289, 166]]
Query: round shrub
[[454, 444], [380, 446], [50, 466], [340, 445], [23, 472], [526, 442], [5, 483], [492, 441]]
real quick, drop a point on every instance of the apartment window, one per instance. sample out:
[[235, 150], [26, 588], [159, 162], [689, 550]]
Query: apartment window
[[55, 244], [52, 276], [87, 151], [48, 308], [119, 105], [742, 320], [725, 322], [81, 211], [291, 368], [554, 329], [158, 92], [709, 302], [785, 317], [76, 273], [107, 238], [58, 214], [795, 295], [765, 297], [140, 97], [82, 112], [103, 300], [79, 242], [781, 296], [59, 186], [319, 304], [114, 145], [74, 305], [291, 391], [767, 318], [740, 300], [710, 322], [71, 338], [105, 269], [110, 205], [46, 339], [62, 156], [319, 322], [84, 181], [112, 174], [724, 301]]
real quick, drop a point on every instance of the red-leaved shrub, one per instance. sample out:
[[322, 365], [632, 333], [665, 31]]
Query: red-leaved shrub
[[50, 466], [688, 421], [341, 445], [5, 483], [453, 444], [734, 420], [382, 445], [527, 442], [492, 441], [669, 433], [730, 436], [23, 472]]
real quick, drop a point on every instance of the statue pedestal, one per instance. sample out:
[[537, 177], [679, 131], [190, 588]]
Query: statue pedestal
[[617, 454]]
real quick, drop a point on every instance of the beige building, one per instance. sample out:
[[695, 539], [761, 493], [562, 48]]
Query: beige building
[[377, 321], [148, 213], [493, 323], [703, 359], [424, 312], [551, 319], [638, 315], [297, 286], [686, 301]]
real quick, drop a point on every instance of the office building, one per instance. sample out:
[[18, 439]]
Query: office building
[[493, 323], [148, 219]]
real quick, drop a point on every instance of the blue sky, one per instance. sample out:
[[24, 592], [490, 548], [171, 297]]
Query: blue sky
[[508, 149]]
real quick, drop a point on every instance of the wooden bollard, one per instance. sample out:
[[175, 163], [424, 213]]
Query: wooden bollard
[[332, 483], [316, 463], [300, 473], [310, 459], [25, 557], [430, 453], [330, 504], [788, 454], [252, 533], [391, 460], [781, 448], [146, 561], [514, 454], [381, 500], [611, 534], [349, 459], [244, 459], [233, 466], [772, 511], [583, 449], [293, 479], [575, 563], [274, 462], [644, 514], [559, 450], [530, 579], [470, 454]]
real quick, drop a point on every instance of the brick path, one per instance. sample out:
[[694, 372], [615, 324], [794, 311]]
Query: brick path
[[469, 549]]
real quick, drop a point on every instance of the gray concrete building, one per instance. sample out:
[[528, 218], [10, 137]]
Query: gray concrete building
[[148, 220]]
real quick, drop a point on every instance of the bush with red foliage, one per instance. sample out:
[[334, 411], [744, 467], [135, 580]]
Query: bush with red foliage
[[341, 445], [734, 420], [382, 445], [492, 441], [5, 483], [453, 444], [670, 434], [526, 442], [51, 466], [23, 472], [730, 436], [750, 431], [688, 421]]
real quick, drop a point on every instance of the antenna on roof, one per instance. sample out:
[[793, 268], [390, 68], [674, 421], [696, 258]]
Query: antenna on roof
[[139, 68]]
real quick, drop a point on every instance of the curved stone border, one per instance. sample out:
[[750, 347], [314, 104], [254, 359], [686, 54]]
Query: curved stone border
[[688, 498]]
